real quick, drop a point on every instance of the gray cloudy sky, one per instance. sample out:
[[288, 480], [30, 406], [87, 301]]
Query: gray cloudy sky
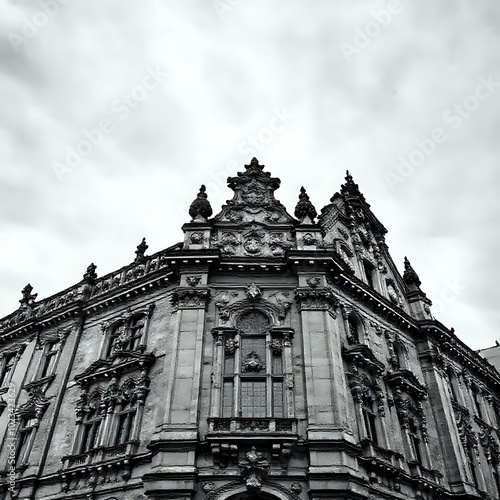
[[176, 94]]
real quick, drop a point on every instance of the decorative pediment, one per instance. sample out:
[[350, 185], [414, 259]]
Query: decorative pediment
[[253, 199], [406, 381], [119, 362], [360, 355]]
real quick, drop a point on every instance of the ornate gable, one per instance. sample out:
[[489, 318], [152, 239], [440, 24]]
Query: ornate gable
[[253, 200]]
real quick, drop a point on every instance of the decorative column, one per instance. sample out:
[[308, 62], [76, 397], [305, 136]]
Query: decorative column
[[176, 438], [330, 442]]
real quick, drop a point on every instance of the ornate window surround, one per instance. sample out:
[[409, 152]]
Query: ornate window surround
[[122, 330], [11, 355], [231, 367]]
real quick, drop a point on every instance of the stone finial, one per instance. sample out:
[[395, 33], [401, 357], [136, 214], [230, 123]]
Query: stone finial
[[254, 166], [410, 277], [201, 206], [141, 250], [304, 207], [90, 275], [350, 188], [28, 297]]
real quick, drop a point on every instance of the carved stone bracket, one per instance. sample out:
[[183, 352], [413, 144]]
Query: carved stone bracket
[[190, 298], [316, 298]]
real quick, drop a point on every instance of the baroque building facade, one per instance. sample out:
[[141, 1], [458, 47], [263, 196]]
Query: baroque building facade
[[265, 356]]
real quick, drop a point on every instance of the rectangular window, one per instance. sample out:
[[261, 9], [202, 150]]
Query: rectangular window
[[227, 399], [369, 271], [7, 368], [253, 398], [278, 399], [370, 425], [125, 425], [90, 435], [26, 432], [49, 359]]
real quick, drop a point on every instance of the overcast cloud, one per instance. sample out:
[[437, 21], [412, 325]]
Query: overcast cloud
[[182, 93]]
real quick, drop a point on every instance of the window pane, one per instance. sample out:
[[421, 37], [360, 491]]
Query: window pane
[[227, 399], [278, 399], [253, 398], [253, 352], [229, 364], [277, 364]]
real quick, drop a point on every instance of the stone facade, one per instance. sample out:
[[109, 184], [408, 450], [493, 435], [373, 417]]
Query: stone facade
[[265, 356]]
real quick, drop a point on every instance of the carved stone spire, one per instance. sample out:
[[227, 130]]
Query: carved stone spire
[[201, 206], [28, 297], [141, 250], [90, 275], [350, 188], [410, 277], [304, 207]]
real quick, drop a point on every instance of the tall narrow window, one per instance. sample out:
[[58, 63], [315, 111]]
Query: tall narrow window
[[353, 333], [369, 419], [91, 427], [472, 464], [414, 435], [125, 424], [476, 397], [27, 430], [253, 370], [49, 359], [117, 332], [7, 368], [369, 273]]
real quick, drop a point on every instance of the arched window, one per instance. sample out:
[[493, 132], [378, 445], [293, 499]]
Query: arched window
[[126, 336], [253, 370]]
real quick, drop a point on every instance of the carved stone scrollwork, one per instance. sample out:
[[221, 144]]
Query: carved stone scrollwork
[[252, 363], [254, 470], [254, 241], [185, 298], [283, 302], [253, 291], [313, 281], [228, 243], [193, 280], [489, 445], [222, 300], [276, 347], [196, 238], [230, 347], [316, 298]]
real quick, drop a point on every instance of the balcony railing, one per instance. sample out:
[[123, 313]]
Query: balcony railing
[[253, 425]]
